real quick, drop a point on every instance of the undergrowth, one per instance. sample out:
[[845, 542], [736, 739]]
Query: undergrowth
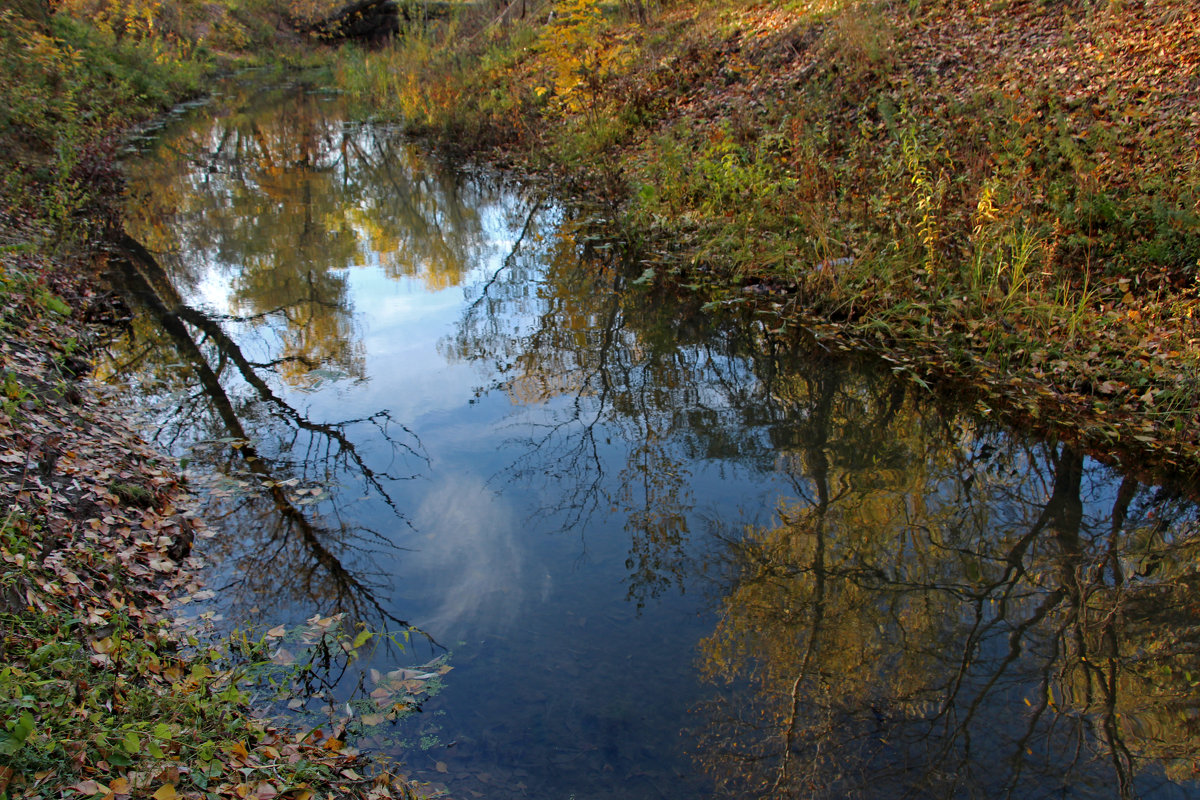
[[166, 714]]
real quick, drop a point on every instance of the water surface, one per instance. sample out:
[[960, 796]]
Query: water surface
[[669, 553]]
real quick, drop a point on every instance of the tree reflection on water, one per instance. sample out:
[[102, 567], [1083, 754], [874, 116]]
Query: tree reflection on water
[[280, 199], [986, 619], [289, 549]]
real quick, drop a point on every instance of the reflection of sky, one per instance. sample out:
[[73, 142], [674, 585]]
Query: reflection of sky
[[467, 551], [213, 292], [402, 323]]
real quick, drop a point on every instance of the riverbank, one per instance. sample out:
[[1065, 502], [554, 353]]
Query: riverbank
[[910, 184], [1004, 197], [100, 695]]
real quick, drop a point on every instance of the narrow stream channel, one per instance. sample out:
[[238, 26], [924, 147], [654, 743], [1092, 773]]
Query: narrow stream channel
[[663, 553]]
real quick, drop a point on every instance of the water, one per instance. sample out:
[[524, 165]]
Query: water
[[667, 553]]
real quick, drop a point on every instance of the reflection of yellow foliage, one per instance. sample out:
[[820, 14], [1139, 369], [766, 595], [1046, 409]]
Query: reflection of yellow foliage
[[858, 610], [1130, 668], [285, 200], [563, 360]]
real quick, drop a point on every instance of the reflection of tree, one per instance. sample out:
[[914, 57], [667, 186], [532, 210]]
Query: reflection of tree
[[582, 355], [284, 199], [288, 550], [970, 625]]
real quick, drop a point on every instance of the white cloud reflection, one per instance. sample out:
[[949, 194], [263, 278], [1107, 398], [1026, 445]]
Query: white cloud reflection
[[470, 556]]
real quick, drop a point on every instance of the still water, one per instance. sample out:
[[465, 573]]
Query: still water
[[664, 551]]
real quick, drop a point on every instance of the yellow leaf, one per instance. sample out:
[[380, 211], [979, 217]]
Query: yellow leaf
[[120, 786], [166, 792]]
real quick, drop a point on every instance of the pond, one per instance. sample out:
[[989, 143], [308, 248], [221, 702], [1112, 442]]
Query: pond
[[630, 547]]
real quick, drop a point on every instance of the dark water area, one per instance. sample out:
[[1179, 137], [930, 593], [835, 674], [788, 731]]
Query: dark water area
[[665, 552]]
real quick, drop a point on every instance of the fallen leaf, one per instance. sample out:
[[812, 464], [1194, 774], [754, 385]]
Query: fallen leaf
[[166, 792]]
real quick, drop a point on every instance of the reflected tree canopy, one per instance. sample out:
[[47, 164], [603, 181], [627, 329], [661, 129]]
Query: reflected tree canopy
[[272, 463], [984, 619], [281, 199]]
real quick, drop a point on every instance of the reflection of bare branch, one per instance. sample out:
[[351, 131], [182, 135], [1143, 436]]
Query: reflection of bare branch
[[349, 590], [819, 474], [298, 359], [508, 259]]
